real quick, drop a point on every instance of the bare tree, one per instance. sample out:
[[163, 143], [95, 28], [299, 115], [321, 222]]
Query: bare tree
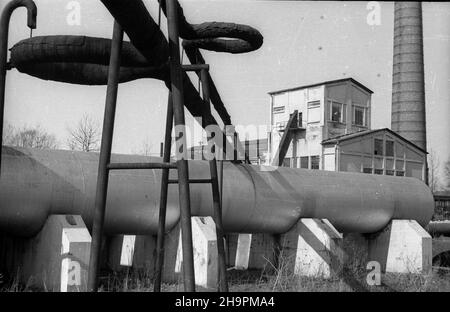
[[145, 149], [8, 134], [85, 136], [447, 174], [433, 171], [29, 137]]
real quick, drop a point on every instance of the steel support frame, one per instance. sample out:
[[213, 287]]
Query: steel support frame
[[176, 77], [159, 265], [105, 156], [215, 186], [4, 30]]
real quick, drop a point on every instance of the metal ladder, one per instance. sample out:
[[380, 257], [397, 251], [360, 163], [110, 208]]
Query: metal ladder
[[214, 181], [175, 111]]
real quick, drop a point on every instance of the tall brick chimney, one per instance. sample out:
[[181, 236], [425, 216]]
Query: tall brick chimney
[[408, 84]]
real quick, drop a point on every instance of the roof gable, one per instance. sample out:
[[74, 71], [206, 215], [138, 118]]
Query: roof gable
[[345, 137]]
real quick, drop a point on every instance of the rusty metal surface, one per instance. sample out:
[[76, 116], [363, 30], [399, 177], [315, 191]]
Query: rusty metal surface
[[36, 183]]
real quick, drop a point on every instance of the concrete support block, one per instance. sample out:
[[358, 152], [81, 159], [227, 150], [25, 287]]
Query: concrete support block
[[138, 252], [312, 248], [132, 251], [402, 247], [127, 253], [57, 258], [205, 252], [254, 251], [243, 251]]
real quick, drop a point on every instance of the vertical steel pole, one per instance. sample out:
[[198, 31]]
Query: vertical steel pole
[[223, 285], [4, 29], [105, 156], [163, 198], [182, 165]]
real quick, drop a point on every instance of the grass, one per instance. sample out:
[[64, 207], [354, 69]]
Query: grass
[[261, 281], [352, 278], [278, 278], [274, 281]]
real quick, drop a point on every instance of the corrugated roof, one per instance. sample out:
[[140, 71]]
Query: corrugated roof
[[324, 83], [344, 137]]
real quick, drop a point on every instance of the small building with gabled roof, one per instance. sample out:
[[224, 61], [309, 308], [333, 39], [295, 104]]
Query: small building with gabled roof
[[380, 151]]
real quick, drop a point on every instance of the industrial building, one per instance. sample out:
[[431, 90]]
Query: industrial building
[[380, 151], [442, 202], [333, 132]]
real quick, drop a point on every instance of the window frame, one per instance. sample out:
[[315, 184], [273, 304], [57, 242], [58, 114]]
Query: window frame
[[378, 171], [313, 105], [311, 162], [279, 109], [343, 106], [364, 117], [374, 146], [307, 162], [386, 149], [390, 172]]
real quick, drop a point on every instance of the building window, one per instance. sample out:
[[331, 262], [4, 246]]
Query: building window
[[378, 171], [400, 173], [278, 110], [337, 111], [314, 111], [390, 172], [286, 162], [299, 120], [313, 104], [359, 116], [315, 162], [304, 162], [378, 147], [390, 148], [367, 170]]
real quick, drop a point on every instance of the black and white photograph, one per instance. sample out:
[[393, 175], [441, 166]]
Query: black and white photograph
[[206, 147]]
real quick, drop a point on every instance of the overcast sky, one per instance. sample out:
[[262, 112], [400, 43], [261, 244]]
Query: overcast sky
[[304, 42]]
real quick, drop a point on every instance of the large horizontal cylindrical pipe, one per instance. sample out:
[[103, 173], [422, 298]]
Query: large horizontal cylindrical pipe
[[439, 227], [256, 199]]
